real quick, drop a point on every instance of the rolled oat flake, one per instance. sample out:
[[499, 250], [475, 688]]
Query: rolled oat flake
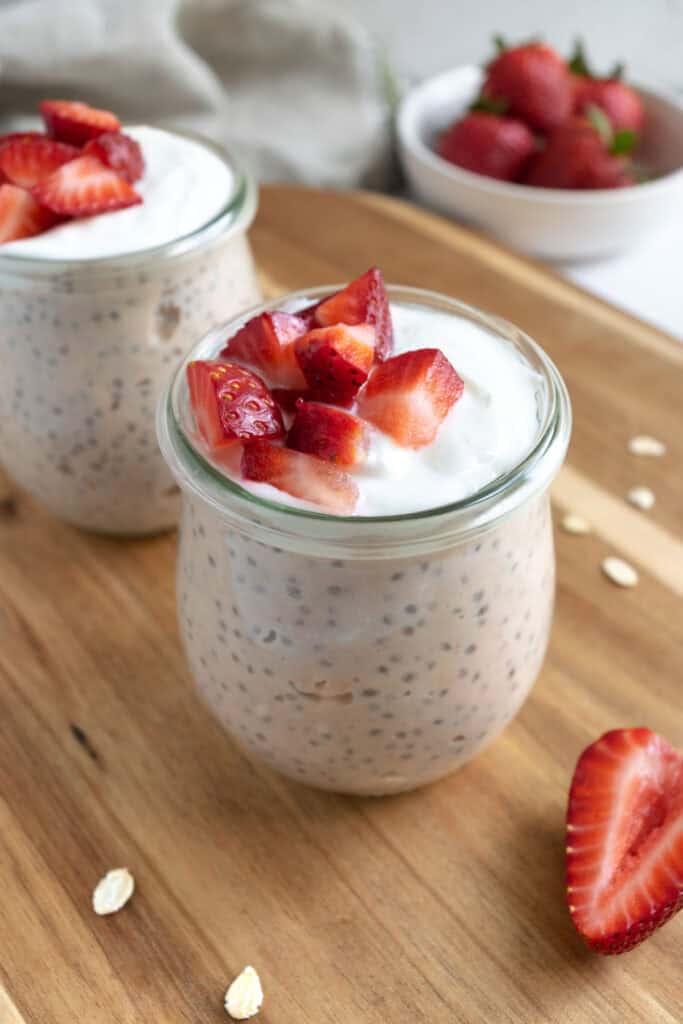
[[620, 572], [245, 996], [113, 891], [645, 445]]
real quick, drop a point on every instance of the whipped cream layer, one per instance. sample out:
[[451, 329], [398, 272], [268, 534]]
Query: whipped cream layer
[[184, 186], [487, 432]]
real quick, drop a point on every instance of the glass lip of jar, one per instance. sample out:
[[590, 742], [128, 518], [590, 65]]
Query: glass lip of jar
[[286, 526], [236, 215]]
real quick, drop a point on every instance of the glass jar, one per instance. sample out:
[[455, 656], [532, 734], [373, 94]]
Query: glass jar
[[367, 655], [87, 346]]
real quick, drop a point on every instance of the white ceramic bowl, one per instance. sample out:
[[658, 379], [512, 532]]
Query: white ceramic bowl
[[556, 224]]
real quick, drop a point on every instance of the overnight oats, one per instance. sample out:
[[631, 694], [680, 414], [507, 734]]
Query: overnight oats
[[118, 248], [366, 565]]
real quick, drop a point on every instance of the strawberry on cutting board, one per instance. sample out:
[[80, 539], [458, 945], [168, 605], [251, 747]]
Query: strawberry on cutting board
[[301, 475], [331, 434], [530, 82], [498, 147], [231, 404], [84, 187], [625, 839], [75, 122], [336, 361], [266, 342], [363, 301], [21, 216], [409, 396]]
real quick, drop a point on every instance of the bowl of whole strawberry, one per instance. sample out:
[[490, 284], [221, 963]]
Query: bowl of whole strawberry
[[543, 153]]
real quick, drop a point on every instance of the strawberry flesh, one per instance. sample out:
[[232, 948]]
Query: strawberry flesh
[[287, 398], [301, 475], [363, 301], [231, 404], [76, 123], [266, 342], [410, 395], [331, 434], [336, 361], [84, 187], [625, 839], [28, 160], [119, 152], [21, 216]]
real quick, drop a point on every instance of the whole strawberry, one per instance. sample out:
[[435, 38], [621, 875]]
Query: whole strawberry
[[498, 147], [577, 156], [622, 104], [531, 82]]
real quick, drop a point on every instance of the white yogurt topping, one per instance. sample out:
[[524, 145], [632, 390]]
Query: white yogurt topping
[[183, 187], [487, 432]]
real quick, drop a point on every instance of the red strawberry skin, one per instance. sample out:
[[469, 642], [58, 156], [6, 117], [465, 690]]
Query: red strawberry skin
[[75, 122], [231, 404], [619, 101], [535, 83], [331, 434], [410, 395], [301, 475], [266, 342], [21, 216], [363, 301], [575, 157], [287, 398], [84, 187], [336, 361], [28, 160], [625, 839], [497, 147], [120, 152]]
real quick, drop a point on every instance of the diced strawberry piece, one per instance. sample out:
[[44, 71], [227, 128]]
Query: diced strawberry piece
[[120, 152], [16, 136], [329, 433], [287, 398], [84, 187], [303, 476], [410, 395], [363, 301], [625, 839], [266, 342], [336, 361], [28, 160], [74, 122], [231, 404], [20, 215]]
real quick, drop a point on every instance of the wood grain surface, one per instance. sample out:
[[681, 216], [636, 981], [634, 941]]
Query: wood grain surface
[[444, 905]]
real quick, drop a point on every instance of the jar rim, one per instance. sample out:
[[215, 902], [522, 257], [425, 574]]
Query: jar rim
[[236, 214], [423, 528]]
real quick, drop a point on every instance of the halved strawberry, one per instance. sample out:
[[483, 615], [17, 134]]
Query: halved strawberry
[[363, 301], [410, 395], [329, 433], [287, 398], [14, 136], [625, 839], [120, 152], [302, 476], [336, 361], [20, 215], [231, 404], [84, 187], [26, 161], [74, 122], [266, 342]]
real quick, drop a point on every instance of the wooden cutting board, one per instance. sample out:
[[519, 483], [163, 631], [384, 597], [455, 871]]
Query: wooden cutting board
[[444, 905]]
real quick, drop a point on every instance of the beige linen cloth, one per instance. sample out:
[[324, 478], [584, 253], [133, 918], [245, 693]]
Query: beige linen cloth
[[294, 87]]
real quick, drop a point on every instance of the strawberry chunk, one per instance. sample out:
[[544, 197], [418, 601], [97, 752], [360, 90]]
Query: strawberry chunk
[[84, 187], [20, 215], [120, 152], [625, 839], [28, 160], [266, 342], [329, 433], [303, 476], [287, 398], [76, 123], [336, 361], [231, 404], [410, 395], [363, 301]]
